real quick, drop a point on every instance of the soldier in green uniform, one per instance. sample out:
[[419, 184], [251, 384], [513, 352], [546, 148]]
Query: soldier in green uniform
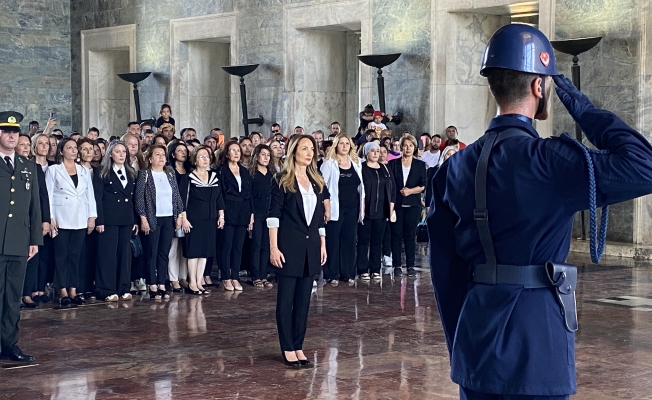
[[20, 231]]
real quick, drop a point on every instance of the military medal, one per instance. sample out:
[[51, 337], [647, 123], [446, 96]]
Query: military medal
[[27, 185]]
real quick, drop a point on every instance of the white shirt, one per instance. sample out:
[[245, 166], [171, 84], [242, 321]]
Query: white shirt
[[309, 202], [12, 156], [123, 173], [163, 194], [406, 172], [239, 179], [431, 159], [309, 205]]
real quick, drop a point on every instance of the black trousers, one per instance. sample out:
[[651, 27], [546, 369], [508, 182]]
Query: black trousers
[[219, 239], [46, 259], [468, 394], [113, 273], [259, 248], [35, 275], [292, 305], [404, 231], [68, 246], [157, 250], [232, 251], [245, 262], [370, 237], [88, 264], [387, 240], [340, 246], [12, 274]]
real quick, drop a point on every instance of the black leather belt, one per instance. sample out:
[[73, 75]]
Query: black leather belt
[[561, 277], [528, 276]]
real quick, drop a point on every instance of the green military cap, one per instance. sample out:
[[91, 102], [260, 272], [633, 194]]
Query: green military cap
[[10, 121]]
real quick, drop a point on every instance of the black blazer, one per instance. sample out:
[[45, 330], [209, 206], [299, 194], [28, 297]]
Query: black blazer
[[43, 194], [297, 240], [238, 204], [115, 204], [416, 178]]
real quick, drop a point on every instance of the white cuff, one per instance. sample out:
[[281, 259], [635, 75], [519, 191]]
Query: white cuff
[[272, 222], [322, 232]]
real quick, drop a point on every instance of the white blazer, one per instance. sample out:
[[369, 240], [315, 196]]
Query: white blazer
[[330, 170], [70, 206]]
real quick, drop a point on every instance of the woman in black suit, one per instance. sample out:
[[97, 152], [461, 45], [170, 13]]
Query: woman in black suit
[[410, 181], [35, 276], [88, 261], [238, 213], [115, 222], [297, 242]]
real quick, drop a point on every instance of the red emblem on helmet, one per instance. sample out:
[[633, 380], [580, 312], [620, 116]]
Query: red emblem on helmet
[[545, 58]]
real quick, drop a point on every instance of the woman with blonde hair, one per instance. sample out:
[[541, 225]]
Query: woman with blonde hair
[[297, 212], [409, 181], [137, 162], [135, 154], [343, 175]]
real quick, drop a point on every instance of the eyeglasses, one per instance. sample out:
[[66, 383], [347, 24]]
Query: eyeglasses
[[273, 131], [203, 157]]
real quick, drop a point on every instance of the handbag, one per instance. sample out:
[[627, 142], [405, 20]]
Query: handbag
[[422, 232], [136, 246]]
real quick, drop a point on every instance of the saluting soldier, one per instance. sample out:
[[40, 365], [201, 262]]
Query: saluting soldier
[[20, 231], [505, 296]]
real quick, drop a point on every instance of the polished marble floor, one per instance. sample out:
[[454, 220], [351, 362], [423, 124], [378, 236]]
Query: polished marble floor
[[368, 341]]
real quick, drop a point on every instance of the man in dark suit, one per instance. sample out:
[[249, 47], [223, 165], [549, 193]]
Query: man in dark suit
[[20, 231]]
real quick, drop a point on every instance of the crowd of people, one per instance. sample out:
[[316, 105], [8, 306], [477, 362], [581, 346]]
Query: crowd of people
[[151, 211]]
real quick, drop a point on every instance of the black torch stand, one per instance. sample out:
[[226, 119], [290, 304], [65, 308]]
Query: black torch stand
[[380, 61], [241, 71], [576, 47], [135, 77]]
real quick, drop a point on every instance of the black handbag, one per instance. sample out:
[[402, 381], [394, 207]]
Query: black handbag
[[422, 233], [136, 246]]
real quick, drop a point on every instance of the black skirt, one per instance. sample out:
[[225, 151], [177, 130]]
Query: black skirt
[[200, 241]]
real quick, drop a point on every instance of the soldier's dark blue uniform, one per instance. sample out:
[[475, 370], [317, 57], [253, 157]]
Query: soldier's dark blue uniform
[[504, 338]]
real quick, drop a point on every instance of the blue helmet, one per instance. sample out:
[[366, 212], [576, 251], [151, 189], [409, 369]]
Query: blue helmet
[[519, 47]]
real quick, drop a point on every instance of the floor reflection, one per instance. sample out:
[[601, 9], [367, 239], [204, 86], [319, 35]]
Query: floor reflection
[[371, 340]]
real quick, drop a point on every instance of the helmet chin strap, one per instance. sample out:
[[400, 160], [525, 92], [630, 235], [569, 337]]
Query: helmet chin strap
[[542, 100]]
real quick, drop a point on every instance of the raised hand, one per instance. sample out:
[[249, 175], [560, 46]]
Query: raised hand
[[576, 102]]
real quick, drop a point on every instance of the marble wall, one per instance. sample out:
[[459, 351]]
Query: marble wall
[[109, 96], [397, 26], [208, 87], [609, 75], [35, 61]]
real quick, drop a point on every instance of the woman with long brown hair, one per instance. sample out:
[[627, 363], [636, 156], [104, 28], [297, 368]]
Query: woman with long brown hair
[[297, 240], [262, 181]]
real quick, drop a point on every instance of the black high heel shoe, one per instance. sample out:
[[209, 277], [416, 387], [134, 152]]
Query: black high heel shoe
[[29, 305], [77, 300], [293, 364], [195, 292], [305, 363]]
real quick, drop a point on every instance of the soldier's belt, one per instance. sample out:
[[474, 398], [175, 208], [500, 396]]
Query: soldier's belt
[[562, 277]]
